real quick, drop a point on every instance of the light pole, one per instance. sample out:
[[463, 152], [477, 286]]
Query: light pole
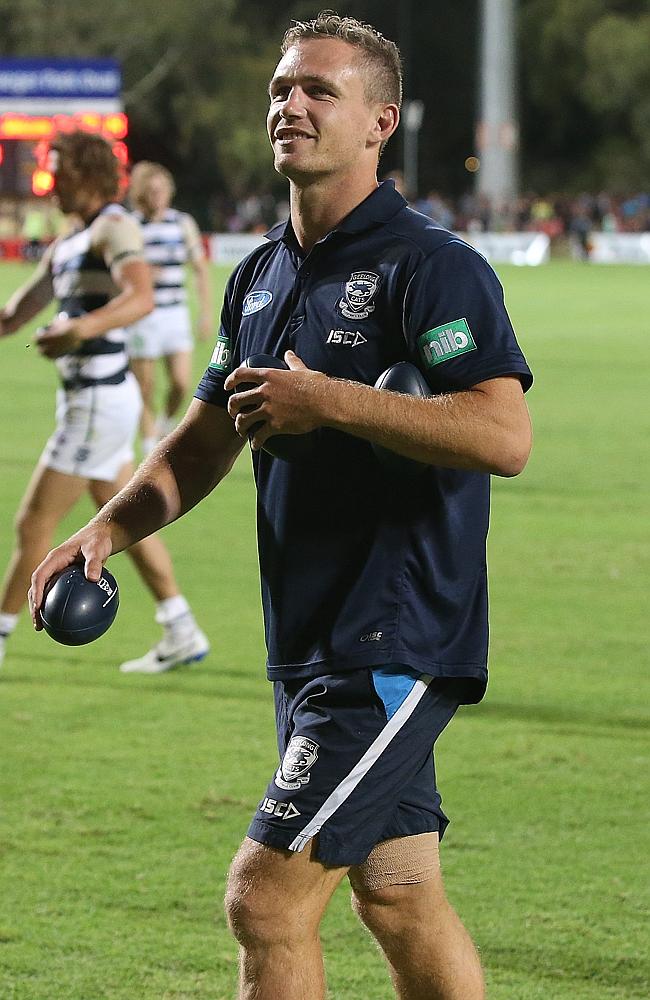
[[412, 115], [497, 131]]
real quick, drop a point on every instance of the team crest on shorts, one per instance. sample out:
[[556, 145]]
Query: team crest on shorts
[[360, 289], [299, 757]]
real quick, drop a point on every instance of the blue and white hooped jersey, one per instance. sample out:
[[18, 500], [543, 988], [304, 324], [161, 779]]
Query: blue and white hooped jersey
[[169, 243], [80, 269]]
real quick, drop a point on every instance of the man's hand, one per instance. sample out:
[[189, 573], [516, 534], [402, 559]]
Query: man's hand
[[284, 402], [63, 336], [91, 546]]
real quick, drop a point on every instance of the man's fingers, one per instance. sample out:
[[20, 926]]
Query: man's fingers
[[239, 402], [245, 421], [93, 567], [243, 374], [294, 362], [53, 563]]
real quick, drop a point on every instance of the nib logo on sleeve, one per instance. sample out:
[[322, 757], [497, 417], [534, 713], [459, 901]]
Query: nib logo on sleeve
[[446, 342]]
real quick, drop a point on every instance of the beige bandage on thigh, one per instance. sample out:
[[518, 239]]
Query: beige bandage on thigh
[[400, 861]]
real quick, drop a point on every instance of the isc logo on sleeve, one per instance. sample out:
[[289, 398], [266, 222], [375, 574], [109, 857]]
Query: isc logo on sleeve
[[446, 342]]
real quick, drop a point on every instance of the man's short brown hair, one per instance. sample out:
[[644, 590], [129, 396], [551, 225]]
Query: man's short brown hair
[[379, 56], [91, 157]]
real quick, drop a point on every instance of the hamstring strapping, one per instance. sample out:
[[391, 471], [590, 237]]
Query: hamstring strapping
[[400, 861]]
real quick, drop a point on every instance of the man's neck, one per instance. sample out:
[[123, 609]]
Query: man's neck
[[318, 208], [91, 207]]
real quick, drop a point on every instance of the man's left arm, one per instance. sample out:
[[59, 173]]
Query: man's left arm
[[458, 332], [121, 246], [485, 428]]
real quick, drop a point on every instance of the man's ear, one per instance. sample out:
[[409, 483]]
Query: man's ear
[[386, 122]]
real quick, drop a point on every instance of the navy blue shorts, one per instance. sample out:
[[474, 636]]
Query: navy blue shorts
[[356, 762]]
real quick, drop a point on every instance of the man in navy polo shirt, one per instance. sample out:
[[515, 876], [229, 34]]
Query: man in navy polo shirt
[[373, 579]]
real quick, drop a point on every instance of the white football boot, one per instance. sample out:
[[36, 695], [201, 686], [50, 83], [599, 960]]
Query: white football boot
[[176, 649]]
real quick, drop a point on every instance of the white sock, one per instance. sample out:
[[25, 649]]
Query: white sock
[[7, 623], [171, 610]]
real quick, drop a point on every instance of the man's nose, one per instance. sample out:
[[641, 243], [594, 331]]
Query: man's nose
[[294, 103]]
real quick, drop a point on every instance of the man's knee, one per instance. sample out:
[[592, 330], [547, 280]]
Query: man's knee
[[33, 522], [258, 904]]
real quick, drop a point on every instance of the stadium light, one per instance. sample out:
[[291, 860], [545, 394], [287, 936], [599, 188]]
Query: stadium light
[[42, 182]]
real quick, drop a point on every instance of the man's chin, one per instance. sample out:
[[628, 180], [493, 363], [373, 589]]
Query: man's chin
[[291, 168]]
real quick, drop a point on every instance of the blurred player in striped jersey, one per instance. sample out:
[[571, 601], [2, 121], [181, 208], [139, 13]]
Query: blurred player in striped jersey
[[171, 240], [99, 276]]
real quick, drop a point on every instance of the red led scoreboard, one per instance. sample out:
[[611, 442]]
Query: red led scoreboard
[[40, 98]]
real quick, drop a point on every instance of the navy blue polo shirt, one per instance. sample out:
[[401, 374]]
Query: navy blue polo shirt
[[360, 567]]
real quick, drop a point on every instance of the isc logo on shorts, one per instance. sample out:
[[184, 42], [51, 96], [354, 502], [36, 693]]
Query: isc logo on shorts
[[300, 755], [285, 810]]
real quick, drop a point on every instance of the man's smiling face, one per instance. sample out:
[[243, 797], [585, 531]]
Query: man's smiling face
[[319, 121]]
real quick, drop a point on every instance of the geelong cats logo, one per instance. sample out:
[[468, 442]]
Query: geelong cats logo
[[299, 757], [360, 289]]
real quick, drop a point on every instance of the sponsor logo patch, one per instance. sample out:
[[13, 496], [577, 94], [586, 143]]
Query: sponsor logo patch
[[221, 355], [360, 289], [300, 756], [255, 301], [346, 338], [445, 342], [285, 810]]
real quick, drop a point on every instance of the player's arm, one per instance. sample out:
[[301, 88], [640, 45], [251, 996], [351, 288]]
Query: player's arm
[[120, 242], [201, 270], [485, 428], [29, 299], [174, 478]]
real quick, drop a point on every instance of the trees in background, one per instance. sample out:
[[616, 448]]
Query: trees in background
[[195, 76]]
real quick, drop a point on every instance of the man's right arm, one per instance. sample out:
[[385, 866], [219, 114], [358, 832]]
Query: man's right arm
[[184, 468], [29, 299]]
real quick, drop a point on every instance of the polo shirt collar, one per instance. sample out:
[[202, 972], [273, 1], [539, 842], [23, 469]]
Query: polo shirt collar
[[379, 207]]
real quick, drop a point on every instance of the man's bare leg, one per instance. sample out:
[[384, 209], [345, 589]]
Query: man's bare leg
[[430, 954], [48, 498], [275, 901], [179, 374], [144, 370]]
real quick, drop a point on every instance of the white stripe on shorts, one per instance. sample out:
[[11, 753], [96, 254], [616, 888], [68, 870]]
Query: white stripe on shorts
[[345, 788]]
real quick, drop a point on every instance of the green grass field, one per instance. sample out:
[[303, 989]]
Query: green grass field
[[123, 799]]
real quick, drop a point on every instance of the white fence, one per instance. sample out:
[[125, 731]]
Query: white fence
[[620, 248], [523, 249], [499, 248]]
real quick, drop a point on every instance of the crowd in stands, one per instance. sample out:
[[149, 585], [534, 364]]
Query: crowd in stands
[[555, 215], [567, 219]]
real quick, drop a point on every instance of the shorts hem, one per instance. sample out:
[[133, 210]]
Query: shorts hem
[[332, 852], [263, 833], [102, 477]]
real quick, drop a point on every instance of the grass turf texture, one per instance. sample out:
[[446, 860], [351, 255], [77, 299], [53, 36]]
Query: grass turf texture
[[124, 798]]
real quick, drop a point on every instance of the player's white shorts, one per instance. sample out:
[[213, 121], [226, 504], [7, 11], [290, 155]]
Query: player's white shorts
[[95, 430], [167, 330]]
